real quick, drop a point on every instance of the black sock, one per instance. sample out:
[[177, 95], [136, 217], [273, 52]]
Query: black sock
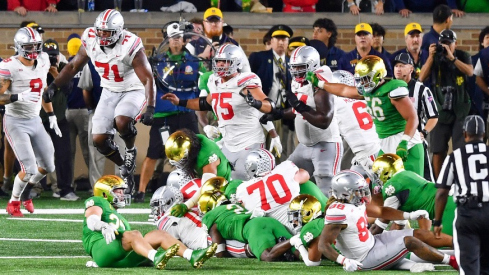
[[26, 194]]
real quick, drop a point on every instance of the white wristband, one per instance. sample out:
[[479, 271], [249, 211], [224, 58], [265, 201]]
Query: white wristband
[[340, 259], [321, 84], [405, 215], [406, 137], [381, 224], [220, 248], [269, 126]]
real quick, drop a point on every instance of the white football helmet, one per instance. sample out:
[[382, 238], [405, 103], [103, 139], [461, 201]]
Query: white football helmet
[[163, 200], [178, 178], [344, 77], [233, 57], [258, 163], [350, 186], [109, 20], [302, 60], [28, 43]]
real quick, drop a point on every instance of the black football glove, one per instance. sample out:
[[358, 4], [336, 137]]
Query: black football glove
[[298, 105], [49, 92], [147, 117], [251, 100], [275, 115]]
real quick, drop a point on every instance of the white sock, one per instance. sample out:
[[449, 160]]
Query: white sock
[[187, 254], [446, 251], [37, 177], [415, 258], [127, 149], [151, 255], [19, 186], [446, 259], [404, 264]]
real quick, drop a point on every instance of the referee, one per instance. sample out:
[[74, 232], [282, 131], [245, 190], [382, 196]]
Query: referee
[[467, 169], [423, 102]]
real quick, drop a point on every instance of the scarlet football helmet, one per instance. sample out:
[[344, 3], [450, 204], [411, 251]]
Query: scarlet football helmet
[[28, 43], [111, 21]]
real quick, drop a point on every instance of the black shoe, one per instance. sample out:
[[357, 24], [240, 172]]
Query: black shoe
[[139, 198], [128, 179], [130, 160], [3, 193]]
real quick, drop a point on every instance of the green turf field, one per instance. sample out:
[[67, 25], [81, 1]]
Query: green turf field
[[51, 244]]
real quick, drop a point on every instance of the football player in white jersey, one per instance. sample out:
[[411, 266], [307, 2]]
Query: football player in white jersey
[[127, 81], [22, 78], [346, 223], [269, 190], [320, 149], [231, 95], [356, 125]]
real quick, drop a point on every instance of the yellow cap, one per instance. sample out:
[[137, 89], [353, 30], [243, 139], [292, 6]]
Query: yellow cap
[[363, 27], [412, 27], [73, 46], [212, 12]]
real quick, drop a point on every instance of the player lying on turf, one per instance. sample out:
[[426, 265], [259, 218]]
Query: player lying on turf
[[109, 240]]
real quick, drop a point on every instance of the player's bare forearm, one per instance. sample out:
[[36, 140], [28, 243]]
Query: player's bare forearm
[[143, 71], [375, 229], [342, 90], [387, 213], [5, 99], [4, 84], [407, 111], [258, 94], [272, 254], [72, 68], [327, 238], [289, 114], [440, 202]]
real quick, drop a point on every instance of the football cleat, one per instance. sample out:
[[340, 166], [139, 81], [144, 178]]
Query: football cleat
[[163, 256], [453, 262], [13, 209], [200, 256], [28, 205], [130, 160], [422, 267]]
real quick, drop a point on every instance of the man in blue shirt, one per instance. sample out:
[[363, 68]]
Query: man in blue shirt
[[324, 39], [442, 19], [363, 41]]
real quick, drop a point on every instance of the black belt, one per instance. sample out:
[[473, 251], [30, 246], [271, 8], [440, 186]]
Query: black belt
[[471, 202]]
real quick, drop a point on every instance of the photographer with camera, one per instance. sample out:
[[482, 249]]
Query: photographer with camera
[[62, 144], [447, 69]]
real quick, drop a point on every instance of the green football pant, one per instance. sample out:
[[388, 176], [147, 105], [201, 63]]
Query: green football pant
[[113, 255], [262, 233], [448, 217]]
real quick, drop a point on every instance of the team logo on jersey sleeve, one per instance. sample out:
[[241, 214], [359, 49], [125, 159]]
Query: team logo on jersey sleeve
[[308, 237], [89, 203], [212, 158], [390, 190]]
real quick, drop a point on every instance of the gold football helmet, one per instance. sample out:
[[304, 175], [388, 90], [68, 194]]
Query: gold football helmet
[[386, 166], [209, 201], [369, 71], [105, 186], [303, 209], [177, 148], [215, 184]]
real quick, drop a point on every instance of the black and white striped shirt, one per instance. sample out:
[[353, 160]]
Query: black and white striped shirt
[[423, 101], [467, 168]]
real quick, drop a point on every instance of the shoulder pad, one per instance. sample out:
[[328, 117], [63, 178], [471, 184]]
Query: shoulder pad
[[335, 215], [249, 80]]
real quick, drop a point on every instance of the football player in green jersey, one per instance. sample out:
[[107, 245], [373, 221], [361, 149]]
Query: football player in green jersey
[[226, 221], [388, 103], [306, 216], [109, 240], [196, 155], [407, 191]]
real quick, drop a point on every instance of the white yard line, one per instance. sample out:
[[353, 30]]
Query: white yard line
[[40, 240], [64, 220], [80, 211], [42, 257]]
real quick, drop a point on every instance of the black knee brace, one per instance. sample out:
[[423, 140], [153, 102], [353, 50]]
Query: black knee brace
[[109, 147], [131, 131]]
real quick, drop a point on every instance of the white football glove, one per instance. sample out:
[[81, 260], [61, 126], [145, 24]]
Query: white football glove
[[211, 132], [108, 231], [296, 241], [220, 143], [257, 212], [53, 124], [27, 95], [418, 214], [276, 145], [351, 265]]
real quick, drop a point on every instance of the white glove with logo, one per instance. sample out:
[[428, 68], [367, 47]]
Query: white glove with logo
[[416, 215], [53, 124], [277, 145], [296, 241], [27, 95], [351, 265], [211, 132], [108, 231]]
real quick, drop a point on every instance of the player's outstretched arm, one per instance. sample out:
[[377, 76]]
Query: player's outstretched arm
[[73, 67], [199, 104], [340, 90]]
